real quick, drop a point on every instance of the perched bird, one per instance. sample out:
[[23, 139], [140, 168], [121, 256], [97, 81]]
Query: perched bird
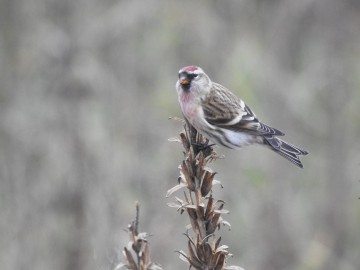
[[225, 119]]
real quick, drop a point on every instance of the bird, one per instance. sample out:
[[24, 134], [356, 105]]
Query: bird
[[224, 119]]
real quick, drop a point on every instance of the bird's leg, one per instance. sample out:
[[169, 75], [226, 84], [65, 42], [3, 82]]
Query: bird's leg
[[202, 146], [205, 148], [195, 139]]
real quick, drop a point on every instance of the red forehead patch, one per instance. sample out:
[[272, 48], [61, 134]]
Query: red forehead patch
[[190, 68]]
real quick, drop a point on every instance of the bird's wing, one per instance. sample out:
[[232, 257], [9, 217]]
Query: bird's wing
[[225, 110]]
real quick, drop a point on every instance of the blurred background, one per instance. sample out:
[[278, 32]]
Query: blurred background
[[86, 89]]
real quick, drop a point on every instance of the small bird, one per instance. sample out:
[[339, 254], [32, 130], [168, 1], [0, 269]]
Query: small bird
[[225, 119]]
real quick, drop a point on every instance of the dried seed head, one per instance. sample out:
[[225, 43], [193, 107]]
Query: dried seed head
[[204, 250]]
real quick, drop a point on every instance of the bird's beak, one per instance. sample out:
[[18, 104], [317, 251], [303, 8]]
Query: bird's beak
[[183, 80]]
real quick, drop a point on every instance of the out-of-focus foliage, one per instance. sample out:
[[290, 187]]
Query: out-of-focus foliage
[[86, 88]]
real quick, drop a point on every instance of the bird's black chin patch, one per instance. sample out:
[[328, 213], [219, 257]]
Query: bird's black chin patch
[[185, 87]]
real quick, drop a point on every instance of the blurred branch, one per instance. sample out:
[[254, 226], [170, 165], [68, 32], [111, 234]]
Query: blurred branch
[[204, 249]]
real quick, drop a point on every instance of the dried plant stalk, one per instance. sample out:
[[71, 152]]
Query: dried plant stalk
[[137, 252], [204, 249]]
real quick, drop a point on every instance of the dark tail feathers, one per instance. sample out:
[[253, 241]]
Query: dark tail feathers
[[287, 150]]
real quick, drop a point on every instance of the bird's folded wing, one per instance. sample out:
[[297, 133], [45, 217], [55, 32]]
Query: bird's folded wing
[[225, 110]]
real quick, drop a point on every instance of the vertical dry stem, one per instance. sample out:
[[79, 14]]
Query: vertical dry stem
[[204, 249], [137, 251]]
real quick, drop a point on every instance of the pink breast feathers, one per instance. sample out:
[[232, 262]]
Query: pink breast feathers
[[188, 107]]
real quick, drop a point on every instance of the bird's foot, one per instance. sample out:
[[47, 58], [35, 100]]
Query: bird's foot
[[202, 146]]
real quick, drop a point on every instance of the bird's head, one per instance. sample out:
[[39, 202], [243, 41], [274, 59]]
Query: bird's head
[[192, 78]]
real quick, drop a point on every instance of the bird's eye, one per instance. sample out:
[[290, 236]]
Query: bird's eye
[[194, 75]]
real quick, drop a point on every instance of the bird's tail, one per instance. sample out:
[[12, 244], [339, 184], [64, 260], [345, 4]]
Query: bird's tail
[[287, 150]]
